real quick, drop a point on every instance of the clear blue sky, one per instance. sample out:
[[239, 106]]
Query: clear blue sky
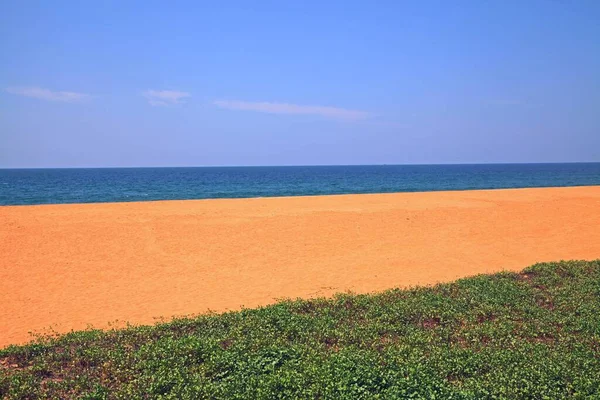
[[156, 83]]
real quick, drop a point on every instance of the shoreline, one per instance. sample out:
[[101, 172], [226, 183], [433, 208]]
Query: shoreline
[[299, 196], [72, 265]]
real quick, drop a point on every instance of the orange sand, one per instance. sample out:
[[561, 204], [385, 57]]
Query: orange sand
[[68, 266]]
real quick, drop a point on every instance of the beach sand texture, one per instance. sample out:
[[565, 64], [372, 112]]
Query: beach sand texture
[[68, 266]]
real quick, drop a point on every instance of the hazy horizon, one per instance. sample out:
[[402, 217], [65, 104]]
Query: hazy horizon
[[307, 165]]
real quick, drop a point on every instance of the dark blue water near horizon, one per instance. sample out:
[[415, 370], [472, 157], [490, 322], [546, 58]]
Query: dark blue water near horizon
[[51, 186]]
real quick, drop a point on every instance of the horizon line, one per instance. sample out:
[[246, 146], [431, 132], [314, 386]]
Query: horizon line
[[312, 165]]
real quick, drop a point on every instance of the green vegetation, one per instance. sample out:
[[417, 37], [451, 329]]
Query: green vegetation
[[532, 335]]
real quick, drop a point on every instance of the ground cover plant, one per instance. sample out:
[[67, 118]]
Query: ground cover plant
[[534, 335]]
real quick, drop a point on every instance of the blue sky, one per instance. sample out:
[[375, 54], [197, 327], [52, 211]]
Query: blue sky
[[92, 84]]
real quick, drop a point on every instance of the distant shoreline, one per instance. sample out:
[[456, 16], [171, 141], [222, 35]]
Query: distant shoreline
[[69, 186], [212, 199]]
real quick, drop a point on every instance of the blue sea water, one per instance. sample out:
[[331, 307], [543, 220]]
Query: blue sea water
[[43, 186]]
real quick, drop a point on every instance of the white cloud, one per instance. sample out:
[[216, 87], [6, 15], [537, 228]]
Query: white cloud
[[284, 108], [165, 97], [46, 94]]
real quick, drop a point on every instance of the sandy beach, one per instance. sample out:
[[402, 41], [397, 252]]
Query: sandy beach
[[72, 266]]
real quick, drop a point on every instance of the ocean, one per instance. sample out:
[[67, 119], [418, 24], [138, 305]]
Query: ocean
[[53, 186]]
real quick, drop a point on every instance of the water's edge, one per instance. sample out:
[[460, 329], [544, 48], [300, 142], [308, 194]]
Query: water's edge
[[66, 186]]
